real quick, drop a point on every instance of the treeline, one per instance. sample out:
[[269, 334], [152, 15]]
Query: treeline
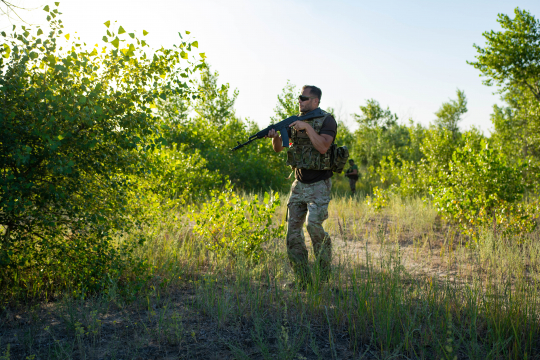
[[96, 144]]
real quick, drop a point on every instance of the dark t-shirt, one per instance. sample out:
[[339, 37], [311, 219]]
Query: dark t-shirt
[[350, 170], [329, 127]]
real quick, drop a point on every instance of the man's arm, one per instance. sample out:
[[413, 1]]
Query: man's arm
[[277, 143], [320, 142]]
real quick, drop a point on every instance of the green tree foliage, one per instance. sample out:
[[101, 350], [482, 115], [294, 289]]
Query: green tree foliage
[[511, 57], [511, 61], [436, 147], [480, 188], [287, 103], [75, 127], [380, 135], [215, 129], [214, 103], [172, 177], [450, 114], [344, 135], [374, 116], [516, 125]]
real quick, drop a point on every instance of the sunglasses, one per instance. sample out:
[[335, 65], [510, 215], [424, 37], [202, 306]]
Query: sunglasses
[[305, 98]]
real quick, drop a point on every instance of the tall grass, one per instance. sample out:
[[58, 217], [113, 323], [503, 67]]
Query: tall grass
[[404, 285]]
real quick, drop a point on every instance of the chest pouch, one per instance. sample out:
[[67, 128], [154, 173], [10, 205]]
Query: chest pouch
[[303, 155]]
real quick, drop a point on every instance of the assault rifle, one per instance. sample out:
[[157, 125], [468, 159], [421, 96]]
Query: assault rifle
[[282, 127]]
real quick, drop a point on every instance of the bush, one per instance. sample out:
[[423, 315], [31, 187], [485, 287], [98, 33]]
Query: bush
[[230, 225], [75, 125], [480, 188]]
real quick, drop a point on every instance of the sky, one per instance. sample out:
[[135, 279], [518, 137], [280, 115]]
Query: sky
[[411, 56]]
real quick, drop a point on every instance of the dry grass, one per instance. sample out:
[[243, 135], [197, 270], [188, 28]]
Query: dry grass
[[404, 285]]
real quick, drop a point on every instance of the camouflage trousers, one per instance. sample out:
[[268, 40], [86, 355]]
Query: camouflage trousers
[[311, 200]]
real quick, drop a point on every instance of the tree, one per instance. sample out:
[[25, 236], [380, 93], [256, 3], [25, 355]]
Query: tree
[[511, 61], [75, 127], [344, 135], [373, 115], [450, 113], [214, 102], [287, 103], [511, 58], [215, 129], [379, 134], [516, 125]]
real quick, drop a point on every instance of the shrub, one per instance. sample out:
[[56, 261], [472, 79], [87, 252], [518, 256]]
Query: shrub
[[230, 225], [75, 124], [480, 188]]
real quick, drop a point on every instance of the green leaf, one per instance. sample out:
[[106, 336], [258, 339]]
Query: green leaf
[[144, 32], [56, 3], [184, 55], [179, 34], [107, 23], [7, 51], [105, 39], [4, 34], [52, 60], [39, 32], [121, 30], [116, 42], [46, 8], [66, 36], [60, 137], [202, 55], [188, 32], [195, 43], [131, 50], [132, 35]]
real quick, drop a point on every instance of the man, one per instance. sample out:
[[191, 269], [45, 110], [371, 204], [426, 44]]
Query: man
[[310, 192], [353, 175]]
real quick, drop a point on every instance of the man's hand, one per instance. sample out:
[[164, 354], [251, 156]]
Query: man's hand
[[276, 140], [320, 142], [272, 134], [300, 125]]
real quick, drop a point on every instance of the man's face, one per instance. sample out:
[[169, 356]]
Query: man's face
[[308, 105]]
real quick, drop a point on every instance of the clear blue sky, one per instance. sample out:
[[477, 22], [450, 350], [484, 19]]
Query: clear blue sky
[[408, 55]]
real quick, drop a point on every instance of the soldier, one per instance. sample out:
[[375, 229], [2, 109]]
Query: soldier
[[310, 192], [353, 175]]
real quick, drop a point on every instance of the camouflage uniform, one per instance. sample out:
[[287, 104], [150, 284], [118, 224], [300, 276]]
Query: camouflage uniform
[[312, 198]]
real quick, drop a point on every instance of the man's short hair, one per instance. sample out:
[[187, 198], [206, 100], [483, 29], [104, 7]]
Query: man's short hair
[[313, 90], [351, 160]]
